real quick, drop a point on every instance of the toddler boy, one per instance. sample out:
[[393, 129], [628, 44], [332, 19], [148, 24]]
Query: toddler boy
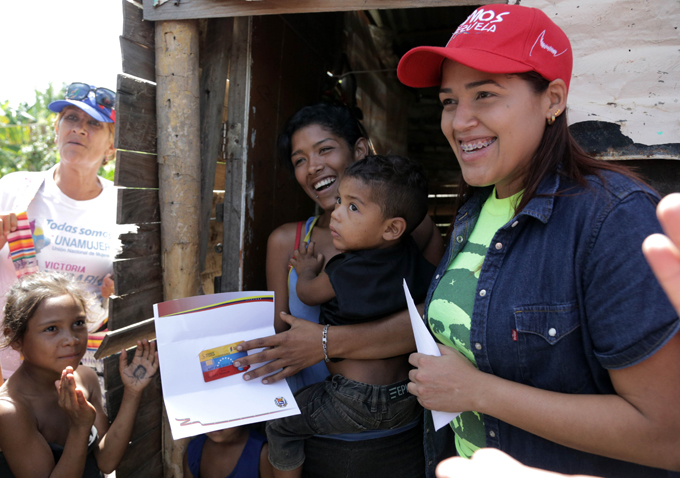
[[382, 200]]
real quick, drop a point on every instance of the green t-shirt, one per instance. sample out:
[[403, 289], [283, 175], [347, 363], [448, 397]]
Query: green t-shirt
[[450, 310]]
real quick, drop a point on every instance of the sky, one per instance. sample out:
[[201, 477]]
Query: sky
[[58, 41]]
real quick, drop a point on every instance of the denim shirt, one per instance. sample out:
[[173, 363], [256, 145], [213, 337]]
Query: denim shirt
[[564, 295]]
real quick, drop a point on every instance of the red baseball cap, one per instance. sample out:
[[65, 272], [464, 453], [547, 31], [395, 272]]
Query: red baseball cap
[[495, 38]]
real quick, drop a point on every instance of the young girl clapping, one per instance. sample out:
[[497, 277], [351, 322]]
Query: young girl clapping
[[52, 422]]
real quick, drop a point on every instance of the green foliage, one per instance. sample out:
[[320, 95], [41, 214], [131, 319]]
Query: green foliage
[[27, 135], [107, 171]]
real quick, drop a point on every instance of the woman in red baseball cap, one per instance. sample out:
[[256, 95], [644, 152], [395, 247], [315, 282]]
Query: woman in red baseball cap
[[560, 347]]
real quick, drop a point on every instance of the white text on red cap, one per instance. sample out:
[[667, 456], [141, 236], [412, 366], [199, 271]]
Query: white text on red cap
[[480, 20]]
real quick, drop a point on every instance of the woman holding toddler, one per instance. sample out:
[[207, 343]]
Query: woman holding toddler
[[317, 144]]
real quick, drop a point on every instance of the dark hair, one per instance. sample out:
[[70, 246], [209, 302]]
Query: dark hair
[[26, 295], [558, 152], [337, 119], [398, 185]]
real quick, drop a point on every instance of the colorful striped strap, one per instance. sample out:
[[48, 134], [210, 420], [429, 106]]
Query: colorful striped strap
[[21, 247]]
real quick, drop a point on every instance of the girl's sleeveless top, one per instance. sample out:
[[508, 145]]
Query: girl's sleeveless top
[[91, 468]]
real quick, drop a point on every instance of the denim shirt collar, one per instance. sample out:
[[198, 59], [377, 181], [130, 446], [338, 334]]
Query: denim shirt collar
[[539, 207]]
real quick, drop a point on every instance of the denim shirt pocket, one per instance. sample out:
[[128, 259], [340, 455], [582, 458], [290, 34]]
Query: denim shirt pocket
[[550, 348]]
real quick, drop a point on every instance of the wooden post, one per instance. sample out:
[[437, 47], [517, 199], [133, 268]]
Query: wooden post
[[237, 155], [179, 171], [214, 68]]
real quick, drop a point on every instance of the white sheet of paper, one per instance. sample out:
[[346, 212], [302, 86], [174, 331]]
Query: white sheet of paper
[[426, 345], [195, 406]]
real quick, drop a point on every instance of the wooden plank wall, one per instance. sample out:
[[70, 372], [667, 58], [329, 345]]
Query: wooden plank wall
[[236, 155], [137, 269], [380, 96], [214, 53], [290, 55]]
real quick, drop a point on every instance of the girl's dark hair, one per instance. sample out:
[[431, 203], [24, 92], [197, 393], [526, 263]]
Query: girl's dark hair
[[557, 148], [26, 295], [338, 119]]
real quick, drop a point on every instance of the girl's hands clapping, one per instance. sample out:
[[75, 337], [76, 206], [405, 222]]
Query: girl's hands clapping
[[447, 383], [73, 402], [143, 367]]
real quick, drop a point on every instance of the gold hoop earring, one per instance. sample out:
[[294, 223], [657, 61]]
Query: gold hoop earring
[[552, 119]]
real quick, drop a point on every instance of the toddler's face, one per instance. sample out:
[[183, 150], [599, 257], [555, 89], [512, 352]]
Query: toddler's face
[[357, 223]]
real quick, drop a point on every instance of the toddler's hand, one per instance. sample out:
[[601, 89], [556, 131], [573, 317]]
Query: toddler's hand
[[71, 399], [304, 260], [143, 367]]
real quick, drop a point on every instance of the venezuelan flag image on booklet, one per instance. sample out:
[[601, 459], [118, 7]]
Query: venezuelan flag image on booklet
[[198, 339], [219, 362]]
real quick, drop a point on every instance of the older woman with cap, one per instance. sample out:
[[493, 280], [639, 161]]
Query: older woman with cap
[[63, 219], [559, 346]]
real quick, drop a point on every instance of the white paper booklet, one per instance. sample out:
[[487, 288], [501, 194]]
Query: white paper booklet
[[197, 339], [426, 345]]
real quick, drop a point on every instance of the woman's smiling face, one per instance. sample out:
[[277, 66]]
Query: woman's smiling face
[[319, 159], [494, 124]]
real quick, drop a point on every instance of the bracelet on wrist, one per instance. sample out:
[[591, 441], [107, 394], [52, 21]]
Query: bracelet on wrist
[[324, 343]]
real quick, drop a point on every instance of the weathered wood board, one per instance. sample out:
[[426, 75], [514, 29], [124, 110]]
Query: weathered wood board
[[239, 100], [136, 206], [138, 60], [234, 8], [135, 28], [136, 170], [137, 42], [144, 242], [135, 115], [138, 456], [133, 308], [116, 340], [214, 53], [134, 275]]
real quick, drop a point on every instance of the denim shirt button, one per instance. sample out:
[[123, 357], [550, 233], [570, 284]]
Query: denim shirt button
[[552, 332], [478, 346], [499, 246], [459, 239], [436, 277], [514, 224], [492, 434], [482, 293]]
